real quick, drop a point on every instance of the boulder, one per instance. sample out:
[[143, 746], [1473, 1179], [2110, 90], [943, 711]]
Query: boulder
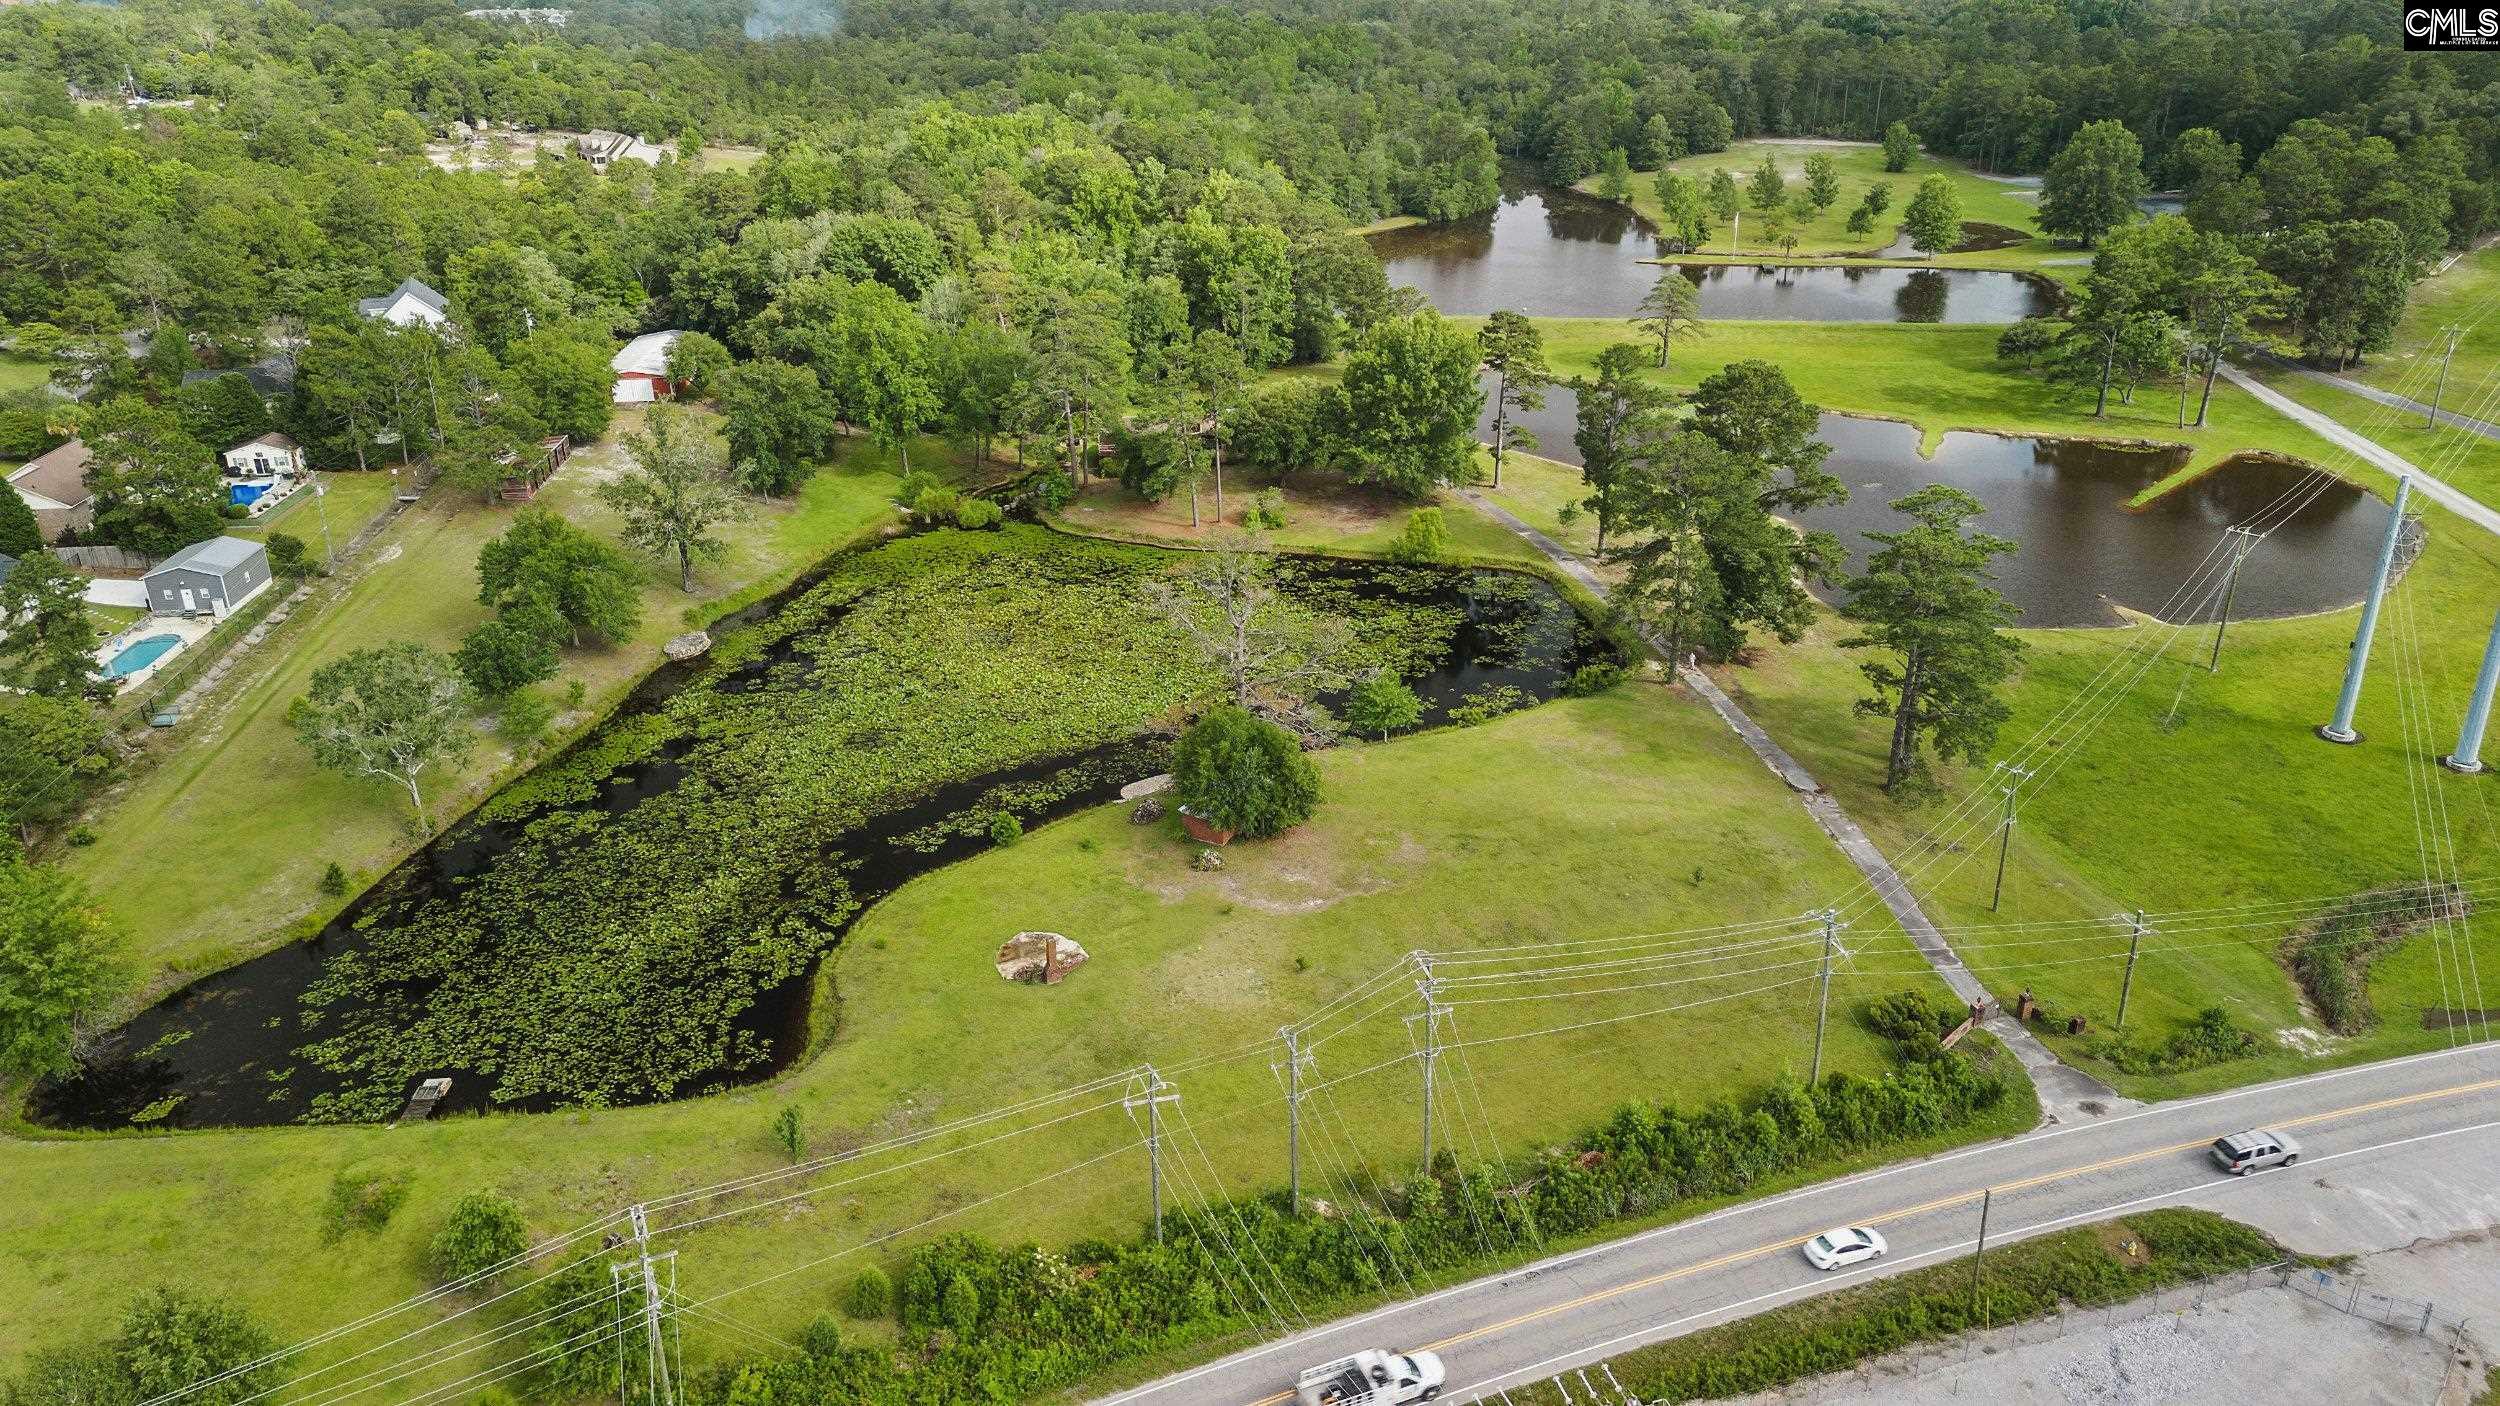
[[693, 644]]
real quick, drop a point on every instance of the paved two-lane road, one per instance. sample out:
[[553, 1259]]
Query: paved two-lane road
[[2392, 1152]]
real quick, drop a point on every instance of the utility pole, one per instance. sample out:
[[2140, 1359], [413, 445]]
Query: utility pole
[[1152, 1097], [645, 1268], [2126, 984], [2246, 543], [2005, 831], [2467, 759], [1736, 225], [1823, 1001], [329, 559], [2452, 332], [1978, 1256], [1430, 990], [2340, 730], [1295, 1059]]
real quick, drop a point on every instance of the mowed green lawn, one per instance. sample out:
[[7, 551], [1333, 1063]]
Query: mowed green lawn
[[2466, 296], [1635, 812], [217, 846], [1984, 201]]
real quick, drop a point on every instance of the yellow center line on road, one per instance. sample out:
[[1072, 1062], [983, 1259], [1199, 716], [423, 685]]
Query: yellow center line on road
[[1959, 1198]]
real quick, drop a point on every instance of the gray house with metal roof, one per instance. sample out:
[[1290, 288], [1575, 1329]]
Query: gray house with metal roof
[[214, 577]]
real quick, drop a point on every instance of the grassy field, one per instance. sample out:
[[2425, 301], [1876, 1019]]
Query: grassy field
[[1984, 201], [18, 373], [236, 770], [2465, 296], [1632, 812]]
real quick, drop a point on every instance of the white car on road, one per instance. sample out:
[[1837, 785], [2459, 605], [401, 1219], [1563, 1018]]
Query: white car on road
[[1844, 1246]]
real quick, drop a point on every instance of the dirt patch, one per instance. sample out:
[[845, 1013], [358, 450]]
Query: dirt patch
[[2122, 1243], [1314, 505]]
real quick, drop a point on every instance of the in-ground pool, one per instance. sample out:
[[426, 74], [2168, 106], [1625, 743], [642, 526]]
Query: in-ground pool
[[138, 656]]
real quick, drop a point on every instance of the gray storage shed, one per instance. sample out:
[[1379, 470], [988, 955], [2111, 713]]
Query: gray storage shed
[[216, 576]]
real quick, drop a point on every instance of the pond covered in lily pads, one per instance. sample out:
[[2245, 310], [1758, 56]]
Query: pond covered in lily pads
[[640, 918]]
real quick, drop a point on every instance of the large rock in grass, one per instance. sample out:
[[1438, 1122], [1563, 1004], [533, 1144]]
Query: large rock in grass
[[693, 644]]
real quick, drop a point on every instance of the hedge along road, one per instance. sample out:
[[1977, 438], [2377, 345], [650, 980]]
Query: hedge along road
[[2428, 1125]]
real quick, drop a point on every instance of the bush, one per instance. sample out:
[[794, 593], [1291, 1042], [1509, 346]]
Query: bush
[[1590, 680], [1382, 704], [81, 837], [1906, 1015], [870, 1294], [333, 881], [364, 1199], [1052, 490], [483, 1230], [1005, 829], [502, 656], [524, 718], [913, 484], [1266, 510], [973, 514], [2029, 341], [790, 1134], [935, 503], [288, 557], [1425, 539], [2211, 1038], [1244, 774]]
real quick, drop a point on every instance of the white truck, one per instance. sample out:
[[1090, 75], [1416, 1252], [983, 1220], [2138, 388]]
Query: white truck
[[1371, 1377]]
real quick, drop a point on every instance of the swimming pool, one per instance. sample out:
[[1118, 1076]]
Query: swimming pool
[[138, 656]]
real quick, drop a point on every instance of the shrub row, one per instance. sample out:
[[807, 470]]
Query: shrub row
[[987, 1322], [2331, 957]]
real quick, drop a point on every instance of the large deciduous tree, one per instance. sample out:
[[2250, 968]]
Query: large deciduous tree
[[588, 582], [49, 644], [394, 711], [156, 488], [2093, 185], [675, 494], [1900, 147], [1244, 773], [1272, 656], [1411, 401], [58, 967], [779, 422], [1933, 218], [1925, 604]]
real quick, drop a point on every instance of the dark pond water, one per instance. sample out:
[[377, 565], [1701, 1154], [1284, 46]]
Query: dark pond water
[[1836, 293], [225, 1051], [2065, 501], [1551, 252]]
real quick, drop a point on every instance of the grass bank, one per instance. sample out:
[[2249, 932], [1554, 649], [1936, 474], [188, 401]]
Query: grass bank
[[2464, 296], [2089, 1266], [1827, 235]]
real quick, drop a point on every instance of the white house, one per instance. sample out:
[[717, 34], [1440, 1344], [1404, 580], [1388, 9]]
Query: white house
[[411, 304], [603, 149], [269, 456]]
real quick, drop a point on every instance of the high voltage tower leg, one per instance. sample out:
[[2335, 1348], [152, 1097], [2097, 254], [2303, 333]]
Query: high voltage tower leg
[[1823, 1001], [1155, 1094], [1430, 990], [2245, 541], [2468, 757], [2340, 730], [645, 1267], [1295, 1060], [2126, 984]]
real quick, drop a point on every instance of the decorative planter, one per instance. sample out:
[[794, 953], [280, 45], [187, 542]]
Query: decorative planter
[[1203, 830]]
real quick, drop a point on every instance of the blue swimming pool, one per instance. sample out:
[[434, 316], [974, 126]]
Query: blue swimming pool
[[138, 656]]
